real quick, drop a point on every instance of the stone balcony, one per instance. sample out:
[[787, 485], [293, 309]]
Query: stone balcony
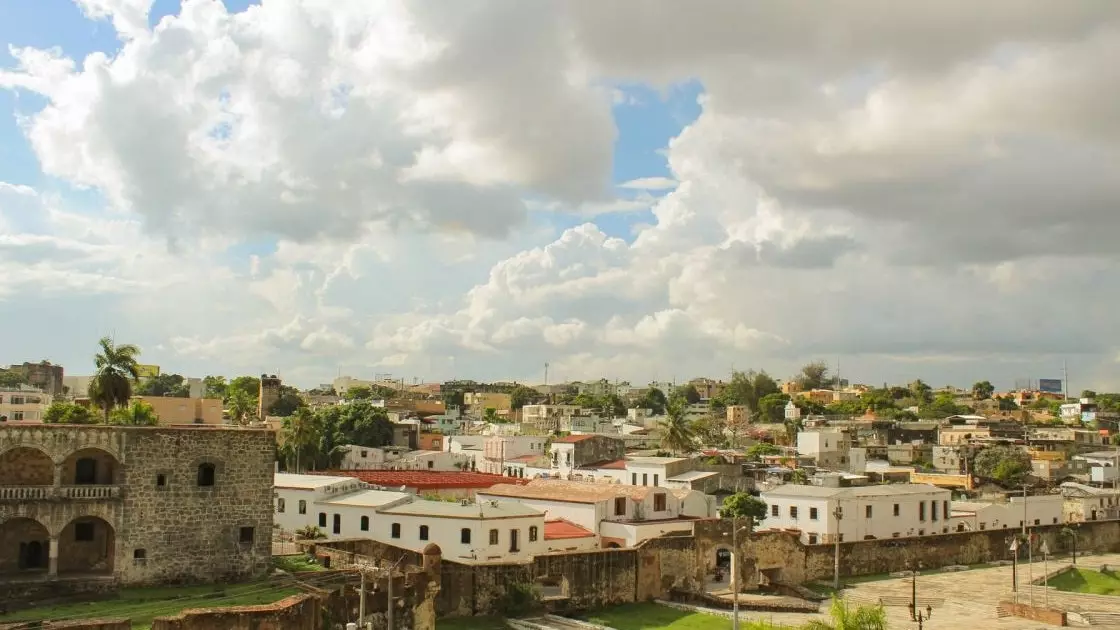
[[54, 493]]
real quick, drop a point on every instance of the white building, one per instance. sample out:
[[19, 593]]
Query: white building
[[974, 516], [498, 450], [23, 404], [369, 457], [296, 497], [548, 416], [828, 448], [1088, 503], [867, 512]]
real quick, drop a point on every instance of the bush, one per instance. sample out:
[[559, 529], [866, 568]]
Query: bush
[[520, 598]]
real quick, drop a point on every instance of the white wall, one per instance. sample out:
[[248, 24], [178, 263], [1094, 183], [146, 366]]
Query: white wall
[[290, 519], [446, 532], [586, 515], [855, 524], [634, 533], [590, 543]]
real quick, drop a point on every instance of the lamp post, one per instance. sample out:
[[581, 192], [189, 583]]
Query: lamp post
[[1045, 550], [915, 613], [735, 529], [839, 514], [1014, 567]]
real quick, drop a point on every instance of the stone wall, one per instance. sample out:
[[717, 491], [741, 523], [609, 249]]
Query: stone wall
[[298, 612], [78, 624], [26, 467], [1034, 613]]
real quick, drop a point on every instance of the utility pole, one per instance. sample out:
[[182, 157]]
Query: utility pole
[[1014, 567], [735, 573], [839, 514], [1045, 549], [362, 601]]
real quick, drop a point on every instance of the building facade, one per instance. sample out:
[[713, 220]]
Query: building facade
[[23, 404], [137, 505], [43, 375], [173, 410]]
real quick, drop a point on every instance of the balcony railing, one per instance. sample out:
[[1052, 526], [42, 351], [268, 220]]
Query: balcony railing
[[70, 493]]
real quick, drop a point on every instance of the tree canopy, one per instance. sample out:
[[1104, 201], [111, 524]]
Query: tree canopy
[[982, 390], [60, 412], [1006, 465], [813, 375], [316, 439], [654, 400], [11, 378], [137, 414], [743, 505], [164, 385], [287, 403], [117, 372]]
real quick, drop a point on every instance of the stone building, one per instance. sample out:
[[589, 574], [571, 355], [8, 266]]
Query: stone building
[[268, 395], [134, 505], [43, 375]]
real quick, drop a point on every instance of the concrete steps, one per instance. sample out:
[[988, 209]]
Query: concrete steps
[[1111, 619]]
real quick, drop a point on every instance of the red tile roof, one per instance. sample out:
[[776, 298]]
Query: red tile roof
[[426, 480], [561, 529], [572, 439]]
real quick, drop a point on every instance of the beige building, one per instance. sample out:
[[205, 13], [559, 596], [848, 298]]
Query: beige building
[[185, 410], [23, 404], [738, 414], [480, 401]]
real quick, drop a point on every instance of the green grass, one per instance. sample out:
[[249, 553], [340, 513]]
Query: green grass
[[1087, 581], [141, 605], [471, 623], [295, 564], [657, 617]]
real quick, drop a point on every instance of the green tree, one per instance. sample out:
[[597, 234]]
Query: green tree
[[654, 400], [757, 451], [943, 406], [287, 403], [1006, 403], [1088, 393], [137, 414], [164, 385], [299, 437], [214, 387], [1005, 464], [676, 432], [813, 375], [490, 415], [793, 427], [922, 392], [248, 385], [241, 407], [11, 378], [743, 505], [116, 372], [60, 412], [358, 392], [848, 616], [749, 388], [799, 477], [982, 390], [689, 393], [451, 398], [709, 431], [521, 396]]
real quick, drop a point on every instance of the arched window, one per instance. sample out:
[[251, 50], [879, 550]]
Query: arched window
[[365, 523], [465, 536], [423, 532], [533, 534], [206, 475], [85, 471], [395, 530], [322, 519]]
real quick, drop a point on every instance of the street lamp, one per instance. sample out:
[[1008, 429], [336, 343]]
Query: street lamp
[[1015, 566], [839, 514], [915, 613], [735, 529]]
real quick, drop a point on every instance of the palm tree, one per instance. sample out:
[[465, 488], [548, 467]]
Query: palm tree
[[848, 617], [138, 414], [300, 433], [241, 407], [676, 432], [116, 372]]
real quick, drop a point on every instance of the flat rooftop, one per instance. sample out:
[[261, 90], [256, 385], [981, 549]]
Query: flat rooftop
[[447, 509], [306, 482], [426, 480]]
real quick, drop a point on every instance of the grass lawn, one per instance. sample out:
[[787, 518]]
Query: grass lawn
[[295, 564], [471, 623], [657, 617], [141, 605], [1087, 581]]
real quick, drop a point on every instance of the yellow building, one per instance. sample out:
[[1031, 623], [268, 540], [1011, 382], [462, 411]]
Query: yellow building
[[185, 410], [488, 400], [737, 414]]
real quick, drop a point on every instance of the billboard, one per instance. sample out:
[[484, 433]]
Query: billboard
[[1050, 385], [147, 371]]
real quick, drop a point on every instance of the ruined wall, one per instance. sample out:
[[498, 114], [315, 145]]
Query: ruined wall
[[78, 624], [298, 612], [26, 467]]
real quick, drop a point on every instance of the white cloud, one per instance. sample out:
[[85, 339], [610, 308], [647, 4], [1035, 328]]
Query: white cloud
[[345, 187]]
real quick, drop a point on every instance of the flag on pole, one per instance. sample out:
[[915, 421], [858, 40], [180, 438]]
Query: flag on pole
[[1015, 544], [1045, 549]]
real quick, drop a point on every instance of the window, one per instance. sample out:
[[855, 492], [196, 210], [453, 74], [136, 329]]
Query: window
[[431, 464], [812, 539], [1036, 521], [659, 502], [17, 415], [365, 454], [921, 532], [139, 554], [896, 509], [465, 536], [493, 537], [205, 475], [279, 506], [533, 534], [395, 530], [645, 479], [945, 514], [813, 513], [841, 537], [921, 510], [364, 524], [793, 511], [302, 506], [894, 535], [85, 470], [655, 479], [633, 479], [774, 510], [83, 532], [322, 519], [514, 540], [337, 524], [620, 506], [933, 510], [245, 536], [423, 532], [161, 481]]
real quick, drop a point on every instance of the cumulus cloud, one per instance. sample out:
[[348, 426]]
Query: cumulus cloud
[[923, 194]]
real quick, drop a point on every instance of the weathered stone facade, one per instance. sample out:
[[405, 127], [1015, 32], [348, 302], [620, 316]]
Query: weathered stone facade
[[142, 505]]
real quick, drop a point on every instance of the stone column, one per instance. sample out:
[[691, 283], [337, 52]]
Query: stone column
[[57, 475], [52, 558]]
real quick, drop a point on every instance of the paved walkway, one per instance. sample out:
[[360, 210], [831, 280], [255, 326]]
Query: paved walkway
[[969, 598]]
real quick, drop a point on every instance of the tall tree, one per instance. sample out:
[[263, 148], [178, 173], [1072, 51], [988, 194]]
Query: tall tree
[[300, 435], [1005, 464], [116, 367], [286, 403], [982, 390], [68, 413], [676, 432], [521, 396], [164, 385], [813, 375], [138, 414], [688, 392], [248, 385], [743, 505], [654, 400], [11, 378], [214, 387], [921, 391], [241, 407], [772, 407]]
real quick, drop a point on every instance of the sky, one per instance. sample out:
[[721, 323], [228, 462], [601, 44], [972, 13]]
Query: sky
[[636, 190]]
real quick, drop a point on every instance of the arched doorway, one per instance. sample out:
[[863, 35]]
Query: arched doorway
[[24, 546], [23, 466], [87, 545], [90, 466]]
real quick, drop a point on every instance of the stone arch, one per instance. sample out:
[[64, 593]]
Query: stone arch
[[24, 546], [91, 465], [87, 545], [613, 545], [26, 465]]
